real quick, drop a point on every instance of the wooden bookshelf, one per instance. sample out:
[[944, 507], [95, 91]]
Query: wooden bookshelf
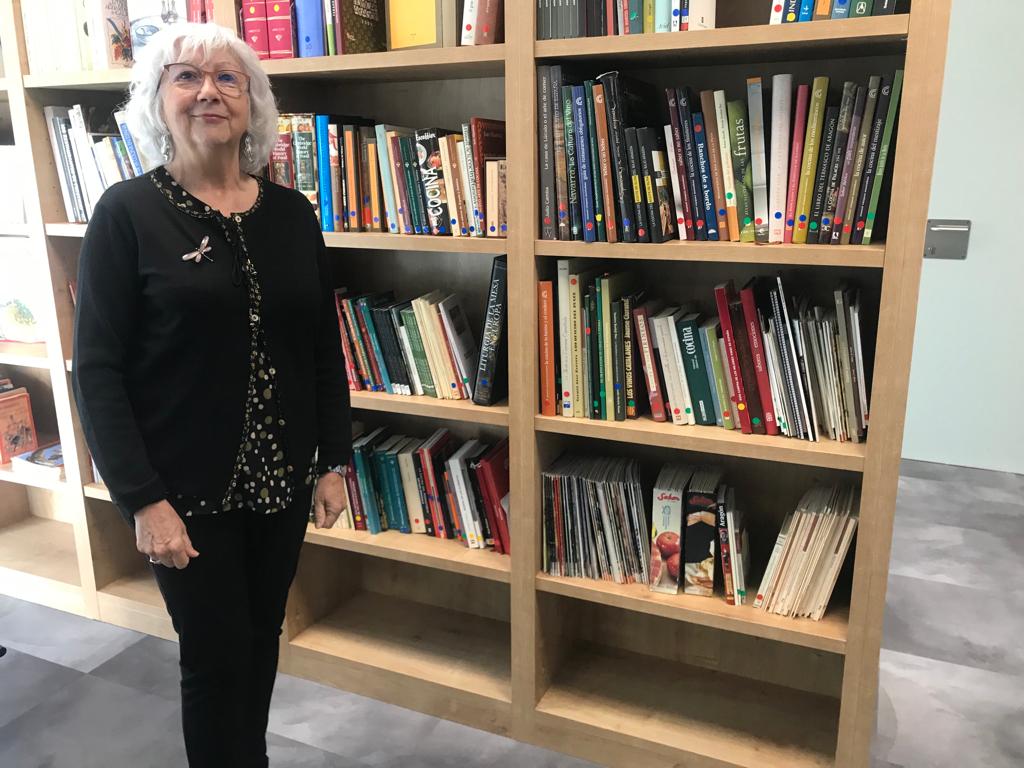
[[489, 640]]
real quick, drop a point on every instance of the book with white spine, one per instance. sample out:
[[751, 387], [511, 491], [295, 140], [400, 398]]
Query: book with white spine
[[410, 487], [758, 160], [782, 107], [728, 177], [465, 351], [676, 190]]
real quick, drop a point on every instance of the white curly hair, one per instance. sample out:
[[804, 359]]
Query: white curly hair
[[183, 42]]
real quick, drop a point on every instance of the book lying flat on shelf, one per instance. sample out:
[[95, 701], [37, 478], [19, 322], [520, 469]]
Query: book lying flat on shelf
[[44, 463]]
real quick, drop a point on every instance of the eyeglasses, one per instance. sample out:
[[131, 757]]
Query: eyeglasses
[[229, 82]]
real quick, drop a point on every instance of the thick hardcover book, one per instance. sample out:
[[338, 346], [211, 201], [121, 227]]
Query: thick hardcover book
[[724, 293], [711, 138], [353, 191], [684, 99], [254, 27], [575, 204], [642, 315], [647, 145], [728, 173], [546, 345], [604, 159], [812, 145], [362, 26], [782, 104], [806, 10], [304, 143], [663, 192], [851, 96], [697, 376], [743, 180], [600, 232], [369, 178], [745, 358], [857, 154], [636, 182], [803, 95], [759, 173], [755, 338], [678, 159], [704, 171], [871, 162], [828, 143], [617, 101], [592, 338], [309, 23], [584, 165], [546, 156], [559, 155], [491, 376], [334, 158], [482, 22], [883, 157], [676, 188], [404, 209], [414, 185], [494, 476], [428, 152], [281, 29]]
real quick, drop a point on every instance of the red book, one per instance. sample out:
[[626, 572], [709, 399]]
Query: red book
[[757, 354], [488, 142], [746, 360], [362, 364], [609, 27], [487, 27], [803, 95], [494, 484], [195, 12], [354, 379], [208, 10], [437, 445], [398, 169], [354, 500], [649, 358], [454, 507], [280, 29], [254, 27], [378, 380], [723, 293], [546, 345]]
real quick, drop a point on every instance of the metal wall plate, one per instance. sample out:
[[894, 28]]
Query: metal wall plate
[[947, 239]]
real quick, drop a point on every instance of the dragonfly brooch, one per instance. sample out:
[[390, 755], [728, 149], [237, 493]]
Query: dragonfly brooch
[[200, 253]]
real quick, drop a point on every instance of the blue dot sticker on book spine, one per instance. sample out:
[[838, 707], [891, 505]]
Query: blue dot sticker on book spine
[[789, 222], [454, 385], [464, 230], [721, 212], [483, 382], [778, 214], [393, 226], [492, 228], [375, 220], [441, 229], [504, 227], [453, 222]]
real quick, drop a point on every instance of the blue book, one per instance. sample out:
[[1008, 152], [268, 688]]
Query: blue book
[[380, 481], [690, 157], [586, 180], [309, 22], [397, 492], [323, 168], [129, 142], [384, 160], [704, 172], [791, 13], [806, 10], [841, 9], [362, 453], [363, 305]]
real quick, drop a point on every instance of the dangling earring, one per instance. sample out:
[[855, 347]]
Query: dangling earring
[[248, 151], [166, 147]]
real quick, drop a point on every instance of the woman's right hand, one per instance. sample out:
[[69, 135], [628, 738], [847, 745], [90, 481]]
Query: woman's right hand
[[161, 534]]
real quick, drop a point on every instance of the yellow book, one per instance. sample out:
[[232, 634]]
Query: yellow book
[[809, 168], [413, 24]]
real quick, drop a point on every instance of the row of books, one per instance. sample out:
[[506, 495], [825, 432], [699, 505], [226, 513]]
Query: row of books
[[809, 553], [598, 18], [790, 11], [763, 362], [366, 177], [76, 35], [285, 29], [425, 346], [433, 486], [596, 526], [88, 162], [715, 170]]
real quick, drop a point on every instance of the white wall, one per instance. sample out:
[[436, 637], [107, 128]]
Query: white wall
[[966, 404]]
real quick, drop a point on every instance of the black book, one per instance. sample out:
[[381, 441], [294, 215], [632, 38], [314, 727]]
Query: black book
[[428, 521], [472, 463], [828, 142], [558, 153], [871, 161], [636, 182], [683, 104], [546, 152], [634, 382], [441, 456], [618, 362], [428, 160], [851, 94], [884, 7], [543, 19], [647, 143], [616, 117], [594, 357], [491, 372], [393, 358], [572, 173]]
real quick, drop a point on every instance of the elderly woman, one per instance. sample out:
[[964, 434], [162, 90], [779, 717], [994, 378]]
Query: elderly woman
[[209, 376]]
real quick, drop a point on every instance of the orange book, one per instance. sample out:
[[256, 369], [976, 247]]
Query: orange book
[[17, 427], [372, 164], [352, 195], [546, 345]]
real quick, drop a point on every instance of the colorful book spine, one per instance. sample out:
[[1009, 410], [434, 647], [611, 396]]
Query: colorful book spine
[[778, 7], [697, 376], [755, 337], [711, 340], [860, 8], [617, 147], [694, 188], [883, 157], [678, 161], [812, 145], [636, 179], [841, 9], [739, 143], [254, 27], [822, 10], [558, 144], [710, 116], [280, 29], [545, 149], [848, 192], [585, 180], [600, 232], [703, 163], [828, 143], [758, 158], [323, 165], [782, 105], [572, 165], [791, 11], [604, 158], [803, 95], [846, 108], [546, 346], [871, 162], [309, 22], [732, 364], [387, 182], [806, 10]]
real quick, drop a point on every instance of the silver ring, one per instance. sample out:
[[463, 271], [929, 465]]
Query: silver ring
[[154, 562]]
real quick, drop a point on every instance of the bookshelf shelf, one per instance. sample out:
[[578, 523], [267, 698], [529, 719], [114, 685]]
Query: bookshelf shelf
[[10, 476], [712, 717], [829, 634], [65, 229], [432, 659], [421, 64], [25, 355], [96, 491], [422, 405], [850, 257], [867, 36], [88, 80], [712, 440], [389, 242], [14, 229], [440, 554]]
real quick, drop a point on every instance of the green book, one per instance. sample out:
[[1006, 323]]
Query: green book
[[595, 384], [812, 144], [741, 168], [861, 8], [611, 287], [595, 164], [883, 155], [601, 359], [697, 380], [648, 16], [710, 333], [419, 354]]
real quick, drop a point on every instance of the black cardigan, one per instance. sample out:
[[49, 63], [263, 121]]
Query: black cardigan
[[161, 347]]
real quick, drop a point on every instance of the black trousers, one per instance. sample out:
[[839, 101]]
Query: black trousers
[[227, 607]]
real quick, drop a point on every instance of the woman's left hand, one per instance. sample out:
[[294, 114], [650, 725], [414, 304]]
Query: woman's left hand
[[329, 500]]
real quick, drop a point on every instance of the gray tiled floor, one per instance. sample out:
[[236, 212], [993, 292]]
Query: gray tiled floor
[[80, 694]]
